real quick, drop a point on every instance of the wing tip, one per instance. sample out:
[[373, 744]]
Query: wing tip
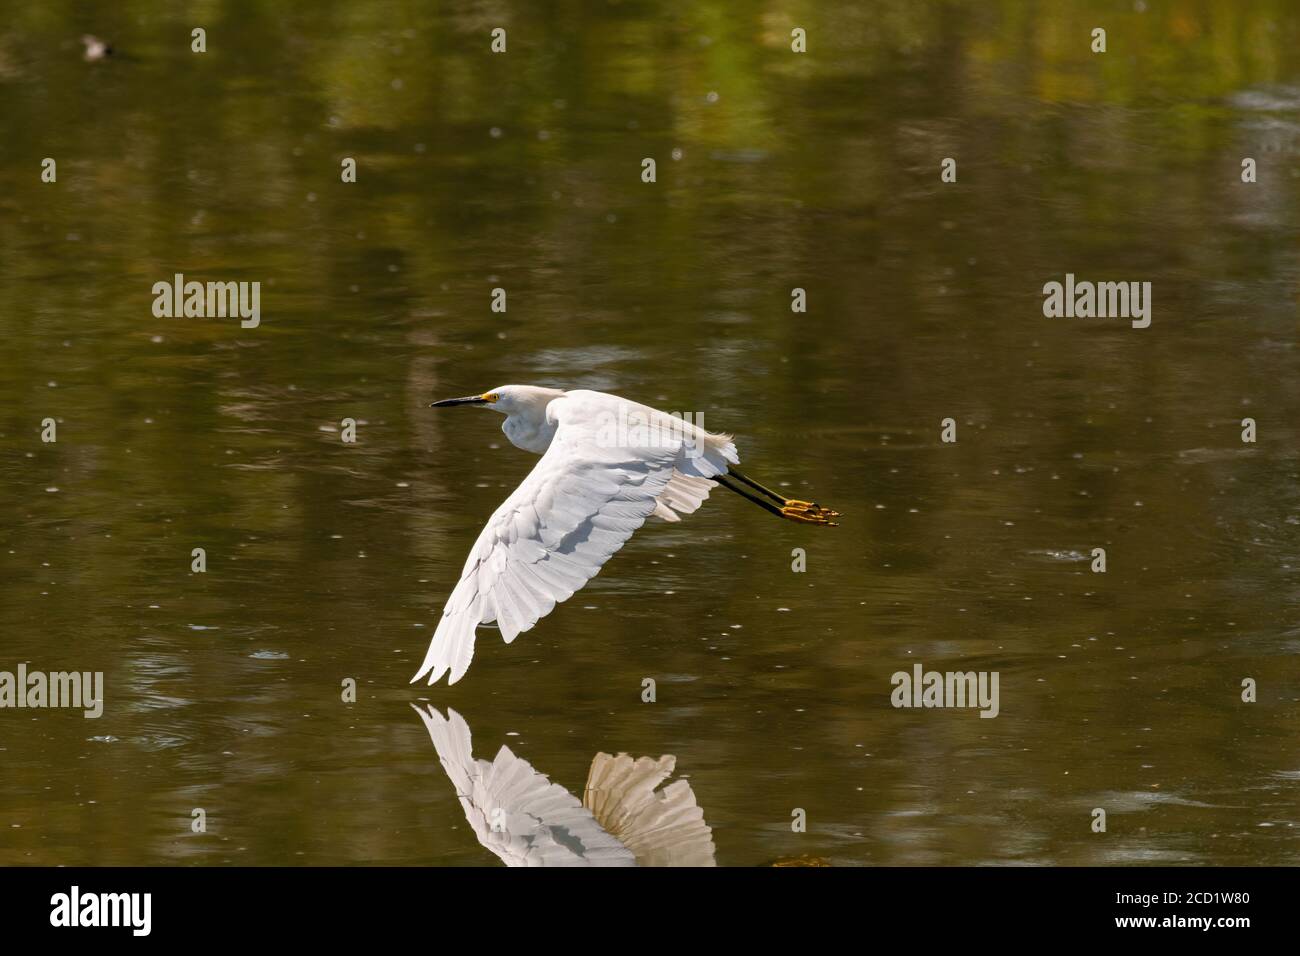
[[435, 672]]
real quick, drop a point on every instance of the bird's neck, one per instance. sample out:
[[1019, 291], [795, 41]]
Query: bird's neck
[[527, 434]]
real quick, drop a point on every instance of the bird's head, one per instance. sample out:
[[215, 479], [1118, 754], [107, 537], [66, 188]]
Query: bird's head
[[527, 400]]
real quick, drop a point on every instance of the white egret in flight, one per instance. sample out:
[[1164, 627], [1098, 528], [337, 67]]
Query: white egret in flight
[[607, 465], [622, 819]]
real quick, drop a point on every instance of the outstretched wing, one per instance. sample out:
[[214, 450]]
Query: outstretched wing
[[661, 827], [580, 504], [516, 812]]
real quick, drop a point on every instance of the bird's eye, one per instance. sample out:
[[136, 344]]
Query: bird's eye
[[489, 396]]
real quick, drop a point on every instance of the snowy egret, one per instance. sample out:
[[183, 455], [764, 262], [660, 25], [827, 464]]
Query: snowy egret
[[607, 465], [622, 819]]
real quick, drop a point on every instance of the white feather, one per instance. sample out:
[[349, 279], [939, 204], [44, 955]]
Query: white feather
[[516, 812], [526, 820]]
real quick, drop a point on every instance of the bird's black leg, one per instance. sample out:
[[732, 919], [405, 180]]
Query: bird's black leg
[[766, 506], [805, 512], [739, 476]]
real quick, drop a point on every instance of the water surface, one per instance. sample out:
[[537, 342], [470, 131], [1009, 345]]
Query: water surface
[[775, 171]]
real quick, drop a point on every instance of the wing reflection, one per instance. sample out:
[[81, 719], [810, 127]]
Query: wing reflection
[[622, 820]]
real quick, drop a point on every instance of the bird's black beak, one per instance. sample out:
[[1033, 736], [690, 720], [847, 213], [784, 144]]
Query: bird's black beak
[[469, 400]]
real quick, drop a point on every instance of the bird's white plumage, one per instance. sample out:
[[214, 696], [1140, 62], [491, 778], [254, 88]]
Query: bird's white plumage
[[682, 496], [526, 820], [661, 827], [593, 487], [516, 812]]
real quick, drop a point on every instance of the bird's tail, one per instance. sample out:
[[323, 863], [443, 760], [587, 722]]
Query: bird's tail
[[452, 647]]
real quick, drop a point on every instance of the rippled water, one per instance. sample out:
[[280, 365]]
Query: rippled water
[[775, 170]]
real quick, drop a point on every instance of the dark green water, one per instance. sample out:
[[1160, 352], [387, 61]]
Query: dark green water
[[522, 171]]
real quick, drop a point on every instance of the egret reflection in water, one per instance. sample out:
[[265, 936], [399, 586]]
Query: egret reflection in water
[[623, 818]]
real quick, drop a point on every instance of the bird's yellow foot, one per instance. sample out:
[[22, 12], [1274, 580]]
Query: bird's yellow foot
[[808, 512]]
